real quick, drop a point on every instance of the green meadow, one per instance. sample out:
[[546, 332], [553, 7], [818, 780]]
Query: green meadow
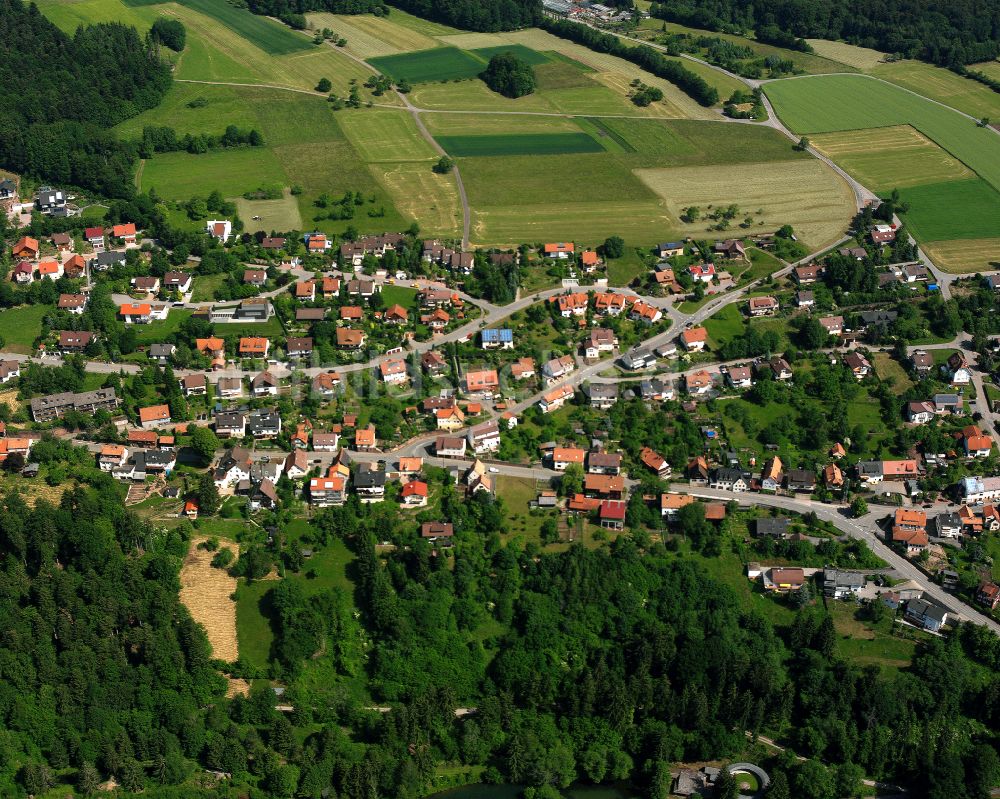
[[958, 209], [529, 144], [827, 103]]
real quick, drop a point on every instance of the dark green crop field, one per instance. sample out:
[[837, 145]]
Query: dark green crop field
[[523, 144]]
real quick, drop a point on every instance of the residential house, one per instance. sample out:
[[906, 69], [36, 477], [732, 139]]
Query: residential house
[[800, 481], [806, 275], [976, 443], [988, 594], [9, 370], [694, 339], [833, 325], [762, 306], [656, 390], [485, 437], [609, 304], [254, 347], [555, 399], [305, 291], [805, 299], [63, 242], [25, 247], [449, 447], [600, 462], [924, 614], [24, 273], [883, 234], [396, 315], [670, 504], [922, 362], [451, 418], [364, 439], [697, 470], [264, 423], [161, 353], [50, 270], [612, 514], [433, 363], [882, 318], [602, 395], [73, 341], [230, 424], [177, 281], [772, 475], [589, 260], [562, 457], [638, 358], [779, 368], [437, 320], [497, 339], [703, 272], [522, 368], [264, 384], [957, 370], [919, 412], [220, 229], [437, 532], [154, 416], [644, 312], [770, 527], [229, 388], [349, 339], [145, 285], [73, 303], [670, 249], [482, 383], [655, 462], [858, 364], [125, 233], [414, 494], [325, 442], [316, 243], [948, 525], [103, 261], [840, 584], [573, 304], [739, 377], [255, 277], [947, 403], [900, 470], [94, 236], [299, 347], [784, 580], [600, 340], [558, 368], [393, 372], [559, 250], [328, 491], [698, 383], [731, 249], [833, 477], [50, 201], [326, 384], [909, 528], [730, 479], [194, 385]]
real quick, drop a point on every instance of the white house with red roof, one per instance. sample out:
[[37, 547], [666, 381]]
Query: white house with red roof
[[95, 238], [220, 229]]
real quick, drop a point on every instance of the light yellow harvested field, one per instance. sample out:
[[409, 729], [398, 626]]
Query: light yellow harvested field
[[965, 256], [420, 193], [893, 157], [381, 135], [369, 36], [280, 214], [989, 68], [862, 58], [483, 124], [206, 592], [680, 105], [807, 195], [638, 221]]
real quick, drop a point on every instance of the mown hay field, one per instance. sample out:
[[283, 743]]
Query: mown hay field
[[280, 214], [459, 124], [824, 104], [206, 592], [887, 158], [421, 194], [520, 144], [805, 194], [965, 256], [181, 176], [369, 36], [270, 36], [863, 58], [379, 135]]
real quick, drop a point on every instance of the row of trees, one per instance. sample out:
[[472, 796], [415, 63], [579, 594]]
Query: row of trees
[[646, 57], [945, 32]]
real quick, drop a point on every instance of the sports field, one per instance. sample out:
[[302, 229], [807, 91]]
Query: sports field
[[424, 66], [803, 193], [823, 104], [965, 256], [525, 144], [887, 158], [961, 209]]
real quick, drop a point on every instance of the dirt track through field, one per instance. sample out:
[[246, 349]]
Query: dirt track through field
[[206, 592]]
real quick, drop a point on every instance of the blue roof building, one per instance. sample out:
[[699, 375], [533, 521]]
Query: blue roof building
[[494, 338]]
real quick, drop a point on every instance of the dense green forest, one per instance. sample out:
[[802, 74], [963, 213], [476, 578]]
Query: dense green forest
[[945, 32], [60, 95], [589, 665], [473, 15]]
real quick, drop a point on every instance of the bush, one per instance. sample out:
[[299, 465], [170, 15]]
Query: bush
[[509, 75], [223, 558], [324, 85]]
